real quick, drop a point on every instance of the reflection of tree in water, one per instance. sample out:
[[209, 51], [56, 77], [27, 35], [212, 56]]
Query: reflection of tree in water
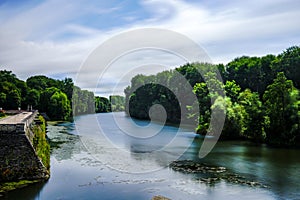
[[64, 141], [163, 148]]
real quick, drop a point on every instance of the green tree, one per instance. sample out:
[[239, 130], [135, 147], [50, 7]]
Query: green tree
[[13, 99], [45, 96], [117, 103], [289, 63], [59, 106], [253, 117], [33, 98], [204, 103], [2, 99], [41, 82], [232, 90], [68, 86], [83, 101], [281, 100], [235, 113], [102, 104]]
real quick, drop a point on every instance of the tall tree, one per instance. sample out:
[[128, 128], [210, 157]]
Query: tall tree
[[290, 64], [254, 116], [282, 107], [59, 106]]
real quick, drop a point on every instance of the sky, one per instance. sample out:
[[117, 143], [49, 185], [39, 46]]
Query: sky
[[56, 37]]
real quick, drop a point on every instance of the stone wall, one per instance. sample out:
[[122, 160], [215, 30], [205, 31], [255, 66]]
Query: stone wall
[[18, 158]]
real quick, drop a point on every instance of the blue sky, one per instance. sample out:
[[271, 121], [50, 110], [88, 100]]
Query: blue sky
[[54, 37]]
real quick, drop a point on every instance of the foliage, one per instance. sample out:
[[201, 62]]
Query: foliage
[[59, 106], [117, 103], [261, 104], [253, 117], [234, 117], [40, 142], [149, 95], [102, 104], [54, 97], [8, 186], [83, 101], [282, 108]]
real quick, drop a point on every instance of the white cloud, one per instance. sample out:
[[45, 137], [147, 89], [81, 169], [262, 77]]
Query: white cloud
[[47, 39], [240, 27]]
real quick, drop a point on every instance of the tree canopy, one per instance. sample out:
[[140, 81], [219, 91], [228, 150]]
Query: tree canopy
[[48, 95], [262, 100]]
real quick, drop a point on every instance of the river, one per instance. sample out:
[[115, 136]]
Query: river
[[110, 156]]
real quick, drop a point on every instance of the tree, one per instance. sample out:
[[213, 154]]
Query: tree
[[117, 103], [13, 99], [282, 108], [59, 106], [44, 99], [232, 90], [2, 99], [83, 101], [233, 125], [7, 76], [102, 104], [33, 98], [68, 86], [43, 82], [254, 116], [204, 103], [289, 63]]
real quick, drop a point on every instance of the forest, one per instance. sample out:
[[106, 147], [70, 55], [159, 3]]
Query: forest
[[59, 99], [53, 97], [261, 101]]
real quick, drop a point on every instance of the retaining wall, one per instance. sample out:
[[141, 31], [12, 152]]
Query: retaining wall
[[18, 158]]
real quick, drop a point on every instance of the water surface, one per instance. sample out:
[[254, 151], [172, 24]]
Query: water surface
[[108, 156]]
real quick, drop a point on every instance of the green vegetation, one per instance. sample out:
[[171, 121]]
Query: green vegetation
[[8, 186], [48, 95], [40, 143], [83, 101], [262, 100], [60, 99], [102, 104], [115, 103]]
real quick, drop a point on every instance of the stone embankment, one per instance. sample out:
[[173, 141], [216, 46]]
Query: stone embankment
[[19, 159]]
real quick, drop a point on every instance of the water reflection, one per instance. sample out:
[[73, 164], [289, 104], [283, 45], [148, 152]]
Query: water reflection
[[29, 192], [96, 166], [64, 140]]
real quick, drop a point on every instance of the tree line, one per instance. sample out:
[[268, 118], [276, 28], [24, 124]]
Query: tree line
[[59, 99], [115, 103], [261, 101]]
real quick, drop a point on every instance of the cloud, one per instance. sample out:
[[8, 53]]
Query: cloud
[[55, 37], [237, 27]]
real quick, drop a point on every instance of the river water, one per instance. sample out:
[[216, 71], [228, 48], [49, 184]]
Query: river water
[[110, 156]]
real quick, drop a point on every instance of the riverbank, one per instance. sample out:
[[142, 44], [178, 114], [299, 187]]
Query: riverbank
[[25, 151]]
